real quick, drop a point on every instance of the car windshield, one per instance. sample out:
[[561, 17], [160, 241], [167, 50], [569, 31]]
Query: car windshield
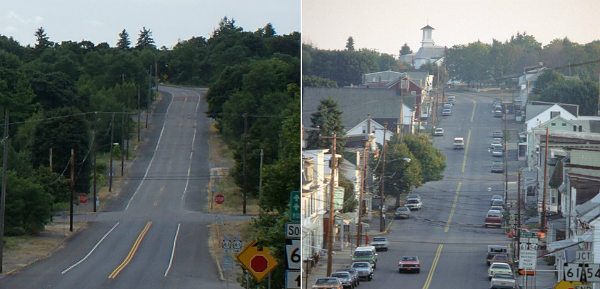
[[504, 276], [360, 265], [409, 259], [326, 281], [413, 201], [500, 266], [340, 275], [379, 239], [362, 253]]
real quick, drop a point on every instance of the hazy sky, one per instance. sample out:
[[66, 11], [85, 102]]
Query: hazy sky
[[168, 20], [385, 25]]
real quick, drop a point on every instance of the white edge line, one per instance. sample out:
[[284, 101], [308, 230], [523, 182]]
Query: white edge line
[[173, 250], [189, 172], [92, 250], [153, 155]]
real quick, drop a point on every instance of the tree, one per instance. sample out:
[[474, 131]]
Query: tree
[[546, 79], [328, 121], [405, 49], [42, 40], [145, 40], [350, 44], [431, 159], [316, 81], [350, 202], [124, 41]]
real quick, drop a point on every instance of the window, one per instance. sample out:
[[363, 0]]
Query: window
[[554, 114], [564, 124], [553, 124]]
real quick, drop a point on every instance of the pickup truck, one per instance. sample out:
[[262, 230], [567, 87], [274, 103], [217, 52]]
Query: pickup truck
[[493, 218], [380, 243], [494, 250]]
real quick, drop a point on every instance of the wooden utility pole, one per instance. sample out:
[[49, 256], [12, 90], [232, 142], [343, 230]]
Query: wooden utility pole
[[123, 142], [519, 212], [112, 134], [330, 237], [72, 190], [505, 155], [95, 148], [545, 184], [401, 116], [3, 198], [382, 195], [244, 165], [139, 115], [360, 197]]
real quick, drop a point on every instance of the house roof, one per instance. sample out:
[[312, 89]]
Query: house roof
[[430, 52], [428, 27], [571, 108]]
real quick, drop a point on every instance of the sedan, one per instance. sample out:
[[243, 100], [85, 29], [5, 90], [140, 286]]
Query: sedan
[[328, 282], [498, 133], [364, 269], [402, 213], [496, 144], [353, 273], [345, 278], [438, 132], [498, 152], [496, 197], [502, 281], [499, 268], [497, 168], [446, 112], [409, 264]]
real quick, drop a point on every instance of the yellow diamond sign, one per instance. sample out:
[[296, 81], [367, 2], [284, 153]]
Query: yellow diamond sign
[[258, 261]]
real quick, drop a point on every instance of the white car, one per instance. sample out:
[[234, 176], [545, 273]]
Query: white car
[[496, 144], [502, 281], [446, 112], [438, 132], [499, 268], [413, 204]]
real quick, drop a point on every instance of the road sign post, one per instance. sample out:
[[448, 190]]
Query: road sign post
[[258, 261]]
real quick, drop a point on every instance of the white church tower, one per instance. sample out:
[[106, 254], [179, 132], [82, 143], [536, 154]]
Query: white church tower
[[427, 32]]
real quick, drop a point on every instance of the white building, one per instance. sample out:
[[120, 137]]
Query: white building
[[428, 53]]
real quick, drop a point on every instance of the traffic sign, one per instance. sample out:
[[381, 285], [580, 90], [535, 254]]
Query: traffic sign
[[82, 198], [572, 272], [227, 263], [586, 286], [226, 244], [293, 255], [583, 256], [258, 261], [237, 244], [292, 231], [292, 279], [219, 198], [527, 259], [295, 206]]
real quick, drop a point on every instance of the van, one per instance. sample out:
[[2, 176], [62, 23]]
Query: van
[[459, 143], [365, 254], [494, 250]]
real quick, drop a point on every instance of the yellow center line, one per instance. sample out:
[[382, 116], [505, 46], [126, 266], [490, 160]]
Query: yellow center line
[[453, 207], [473, 113], [466, 150], [432, 270], [131, 252]]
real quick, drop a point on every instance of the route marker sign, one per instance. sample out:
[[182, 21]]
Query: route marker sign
[[227, 263], [226, 245], [293, 255], [258, 261], [295, 206], [237, 244], [292, 279], [292, 231]]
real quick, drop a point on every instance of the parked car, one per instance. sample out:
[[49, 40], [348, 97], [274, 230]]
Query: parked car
[[497, 168], [496, 144], [447, 105], [499, 268], [497, 152], [497, 208], [493, 250], [497, 113], [499, 203], [414, 204], [345, 278], [438, 132], [446, 112], [353, 273], [503, 281], [500, 258], [493, 218], [409, 264], [364, 269], [328, 282], [380, 243], [496, 197], [498, 133], [402, 213], [365, 254]]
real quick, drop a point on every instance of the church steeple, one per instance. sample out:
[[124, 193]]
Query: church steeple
[[427, 40]]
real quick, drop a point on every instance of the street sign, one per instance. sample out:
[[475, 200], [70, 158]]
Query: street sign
[[237, 244], [226, 245], [592, 272], [528, 246], [583, 256], [572, 272], [292, 252], [82, 198], [258, 261], [527, 259], [512, 217], [295, 206], [292, 231], [227, 263], [219, 198], [586, 286], [292, 279]]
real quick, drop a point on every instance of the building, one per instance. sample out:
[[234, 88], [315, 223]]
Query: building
[[428, 53]]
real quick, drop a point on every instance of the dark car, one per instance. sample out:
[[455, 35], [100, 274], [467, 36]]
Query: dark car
[[497, 168], [364, 269], [409, 264], [402, 213], [353, 273], [346, 278]]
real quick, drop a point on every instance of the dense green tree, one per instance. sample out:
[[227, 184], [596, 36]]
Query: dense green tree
[[431, 159], [28, 206], [42, 40], [574, 91], [124, 41], [326, 122], [350, 202], [350, 44], [145, 40], [316, 81], [405, 49], [546, 79]]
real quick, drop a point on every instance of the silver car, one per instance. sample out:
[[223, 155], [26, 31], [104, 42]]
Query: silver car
[[364, 269], [346, 279], [503, 281]]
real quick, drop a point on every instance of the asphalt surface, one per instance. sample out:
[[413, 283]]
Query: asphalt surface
[[155, 235], [448, 232]]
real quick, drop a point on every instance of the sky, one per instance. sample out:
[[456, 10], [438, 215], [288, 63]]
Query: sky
[[385, 25], [169, 21]]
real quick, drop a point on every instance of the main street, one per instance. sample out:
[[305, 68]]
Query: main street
[[448, 232], [155, 234]]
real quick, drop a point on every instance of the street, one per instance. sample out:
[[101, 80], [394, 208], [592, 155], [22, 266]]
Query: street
[[155, 234]]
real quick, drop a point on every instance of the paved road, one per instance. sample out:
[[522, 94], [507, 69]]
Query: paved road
[[155, 234], [448, 233]]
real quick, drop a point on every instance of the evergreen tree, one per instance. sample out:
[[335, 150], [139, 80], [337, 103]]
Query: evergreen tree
[[328, 120], [124, 41], [405, 49], [145, 39], [350, 44], [42, 40]]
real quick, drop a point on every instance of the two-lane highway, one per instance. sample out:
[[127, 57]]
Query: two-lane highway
[[155, 234], [448, 232]]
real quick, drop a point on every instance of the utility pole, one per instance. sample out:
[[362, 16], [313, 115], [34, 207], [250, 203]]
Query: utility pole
[[94, 146], [244, 164], [112, 134], [123, 142], [72, 190], [148, 97], [545, 184], [519, 213], [505, 156], [331, 215], [382, 196], [139, 114], [3, 198]]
